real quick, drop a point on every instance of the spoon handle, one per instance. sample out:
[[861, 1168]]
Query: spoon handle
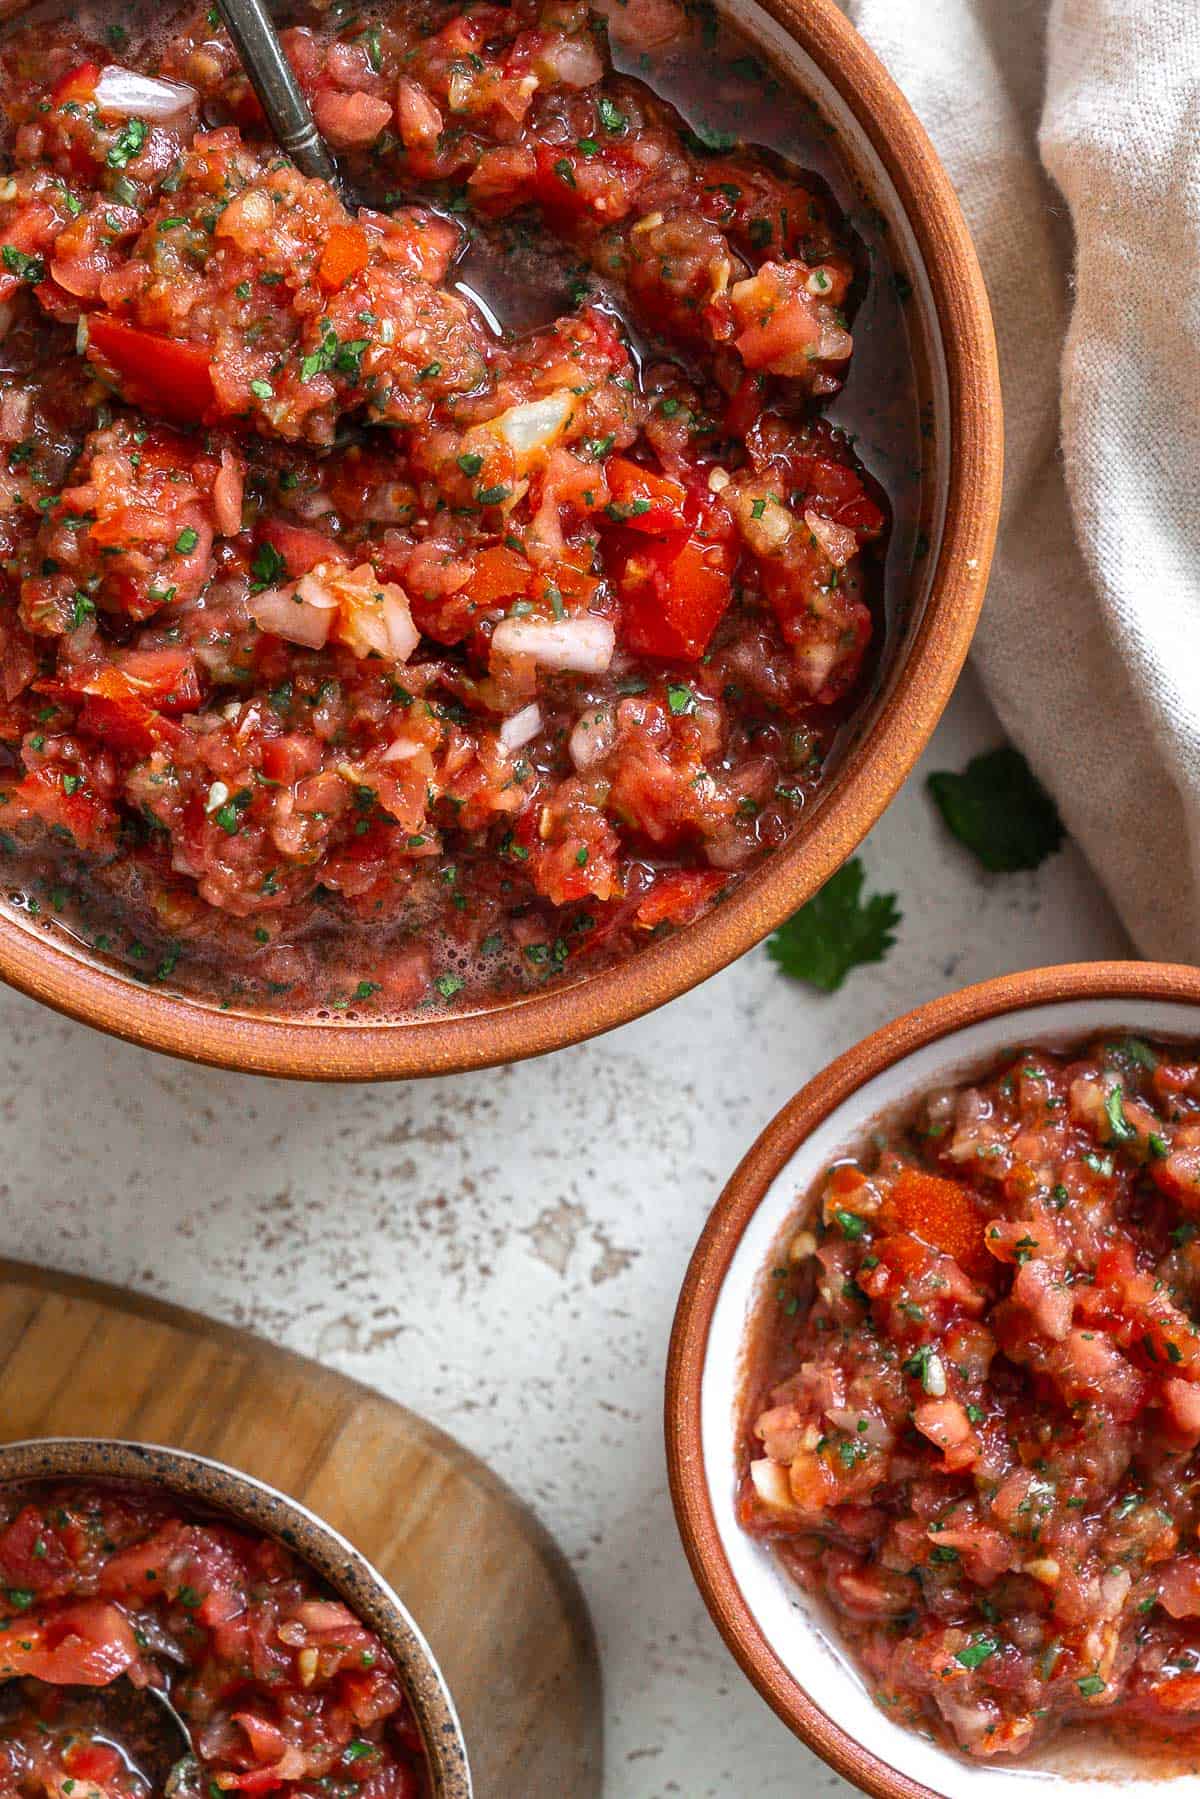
[[275, 83]]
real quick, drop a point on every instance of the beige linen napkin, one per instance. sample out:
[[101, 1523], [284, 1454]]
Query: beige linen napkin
[[1071, 130]]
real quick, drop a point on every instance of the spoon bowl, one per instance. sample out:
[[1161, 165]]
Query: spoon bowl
[[282, 99], [140, 1722]]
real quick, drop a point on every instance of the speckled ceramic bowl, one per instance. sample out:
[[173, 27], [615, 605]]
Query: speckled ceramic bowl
[[821, 61], [780, 1638], [251, 1502]]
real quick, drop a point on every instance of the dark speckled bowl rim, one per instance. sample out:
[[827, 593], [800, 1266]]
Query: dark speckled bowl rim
[[250, 1501]]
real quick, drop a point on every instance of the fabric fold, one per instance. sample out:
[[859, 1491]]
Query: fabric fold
[[1069, 130]]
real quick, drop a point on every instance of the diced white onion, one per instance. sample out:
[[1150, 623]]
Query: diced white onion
[[401, 749], [324, 1615], [518, 729], [458, 88], [535, 425], [584, 645], [312, 505], [933, 1376], [594, 735], [126, 95], [283, 612], [313, 591], [569, 61], [218, 793], [861, 1425], [771, 1484], [838, 541], [402, 634], [834, 344], [16, 410]]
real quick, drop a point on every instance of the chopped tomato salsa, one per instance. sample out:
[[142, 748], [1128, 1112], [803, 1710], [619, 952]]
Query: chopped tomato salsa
[[281, 1688], [975, 1406], [358, 646]]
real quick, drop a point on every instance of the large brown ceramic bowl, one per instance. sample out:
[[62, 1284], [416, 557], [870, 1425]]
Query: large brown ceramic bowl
[[780, 1638], [214, 1485], [890, 160]]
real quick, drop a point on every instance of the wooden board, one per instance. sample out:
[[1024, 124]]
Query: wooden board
[[484, 1581]]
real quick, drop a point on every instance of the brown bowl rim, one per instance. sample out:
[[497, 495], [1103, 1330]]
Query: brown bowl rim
[[768, 1155], [204, 1480], [198, 1031]]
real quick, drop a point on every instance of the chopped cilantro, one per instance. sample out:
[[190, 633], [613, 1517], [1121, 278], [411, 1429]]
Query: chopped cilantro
[[999, 809], [836, 931], [976, 1653], [128, 143], [26, 268], [267, 567], [1119, 1128]]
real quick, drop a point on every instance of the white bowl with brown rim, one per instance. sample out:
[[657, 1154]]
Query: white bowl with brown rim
[[778, 1635]]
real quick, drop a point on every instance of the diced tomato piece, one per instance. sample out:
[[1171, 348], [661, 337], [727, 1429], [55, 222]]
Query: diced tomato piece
[[32, 232], [288, 759], [676, 898], [77, 85], [301, 546], [500, 574], [168, 378], [32, 1557], [643, 500], [87, 1644], [943, 1214], [673, 594], [745, 405], [576, 584], [1179, 1693], [791, 331], [42, 795], [837, 493], [96, 1762], [345, 255], [128, 724]]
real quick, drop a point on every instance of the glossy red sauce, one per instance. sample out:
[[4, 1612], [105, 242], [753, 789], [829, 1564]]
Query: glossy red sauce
[[404, 607], [282, 1689], [974, 1407]]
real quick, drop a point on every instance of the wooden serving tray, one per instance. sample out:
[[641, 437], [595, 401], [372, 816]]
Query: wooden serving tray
[[484, 1581]]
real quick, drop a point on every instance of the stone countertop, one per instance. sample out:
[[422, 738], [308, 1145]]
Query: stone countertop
[[502, 1251]]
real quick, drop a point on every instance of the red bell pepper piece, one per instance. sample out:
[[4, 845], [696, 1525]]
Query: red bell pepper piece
[[673, 595], [643, 500], [944, 1214], [77, 85], [152, 371], [345, 255]]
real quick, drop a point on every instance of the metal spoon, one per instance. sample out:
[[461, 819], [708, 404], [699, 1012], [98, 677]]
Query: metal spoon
[[140, 1721], [280, 94]]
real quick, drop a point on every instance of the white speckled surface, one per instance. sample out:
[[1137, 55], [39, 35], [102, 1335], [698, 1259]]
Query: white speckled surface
[[502, 1251]]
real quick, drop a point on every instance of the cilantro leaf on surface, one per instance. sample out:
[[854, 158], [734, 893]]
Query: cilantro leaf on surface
[[836, 931], [999, 809]]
